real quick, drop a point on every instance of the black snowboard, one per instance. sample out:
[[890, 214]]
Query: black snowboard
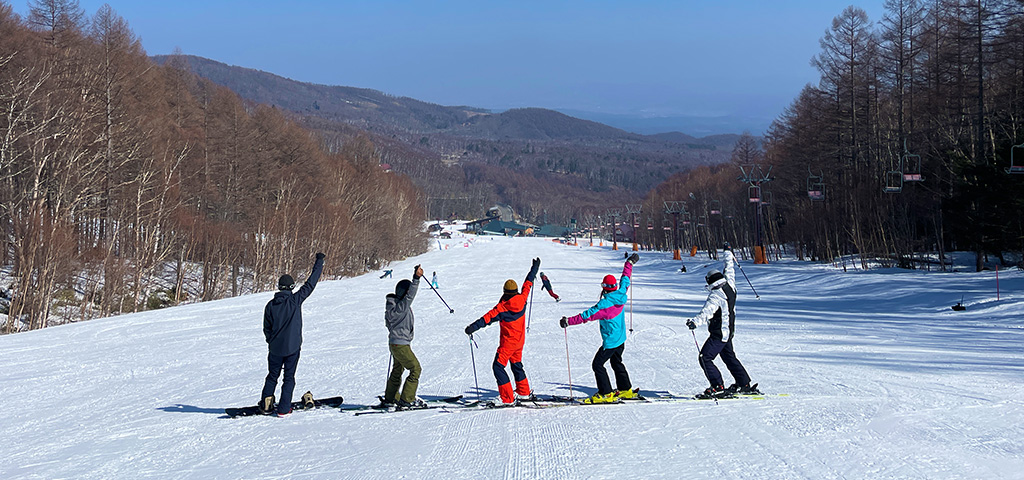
[[333, 402]]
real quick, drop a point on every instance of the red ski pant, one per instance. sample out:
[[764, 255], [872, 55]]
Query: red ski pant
[[515, 357]]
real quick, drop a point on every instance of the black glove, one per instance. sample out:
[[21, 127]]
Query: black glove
[[564, 322], [633, 259], [536, 264], [470, 329], [320, 255], [689, 323], [417, 272]]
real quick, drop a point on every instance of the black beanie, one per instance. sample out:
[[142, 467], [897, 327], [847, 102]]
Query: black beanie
[[402, 288], [286, 282], [713, 276]]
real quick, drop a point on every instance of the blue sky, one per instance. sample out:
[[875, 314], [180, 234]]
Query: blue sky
[[641, 58]]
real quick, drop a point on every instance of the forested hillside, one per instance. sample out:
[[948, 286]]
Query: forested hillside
[[544, 163], [911, 143], [129, 186]]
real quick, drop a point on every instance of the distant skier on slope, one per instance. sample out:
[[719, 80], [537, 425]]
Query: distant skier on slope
[[398, 317], [719, 313], [613, 335], [282, 328], [546, 285], [510, 312], [433, 280]]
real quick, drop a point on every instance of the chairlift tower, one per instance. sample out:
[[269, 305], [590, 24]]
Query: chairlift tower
[[755, 176], [613, 217], [633, 210], [674, 209]]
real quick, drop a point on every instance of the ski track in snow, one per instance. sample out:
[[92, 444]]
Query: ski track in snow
[[883, 379]]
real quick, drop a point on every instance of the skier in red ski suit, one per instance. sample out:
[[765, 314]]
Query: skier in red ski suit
[[510, 312]]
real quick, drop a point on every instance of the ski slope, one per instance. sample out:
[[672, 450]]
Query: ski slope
[[883, 380]]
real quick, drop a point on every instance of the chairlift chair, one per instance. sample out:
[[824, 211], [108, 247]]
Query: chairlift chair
[[893, 182], [1016, 159], [768, 198], [754, 193], [815, 187], [715, 206], [911, 168]]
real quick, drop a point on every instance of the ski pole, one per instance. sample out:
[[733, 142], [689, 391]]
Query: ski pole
[[450, 309], [529, 313], [568, 368], [748, 281], [631, 310], [472, 355]]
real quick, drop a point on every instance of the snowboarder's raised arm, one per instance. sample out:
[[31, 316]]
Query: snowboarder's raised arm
[[314, 277]]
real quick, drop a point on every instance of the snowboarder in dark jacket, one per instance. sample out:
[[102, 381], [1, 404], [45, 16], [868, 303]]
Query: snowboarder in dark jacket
[[282, 327], [399, 319], [547, 286]]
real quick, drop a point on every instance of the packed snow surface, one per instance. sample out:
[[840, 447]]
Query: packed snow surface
[[883, 379]]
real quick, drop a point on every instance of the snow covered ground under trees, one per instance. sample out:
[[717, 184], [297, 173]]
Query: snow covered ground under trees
[[883, 379]]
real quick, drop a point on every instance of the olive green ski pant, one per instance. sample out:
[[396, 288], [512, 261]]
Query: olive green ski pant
[[404, 360]]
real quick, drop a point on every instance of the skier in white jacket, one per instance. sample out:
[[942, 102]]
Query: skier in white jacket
[[719, 313]]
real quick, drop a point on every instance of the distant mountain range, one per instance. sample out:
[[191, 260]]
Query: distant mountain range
[[555, 163], [698, 125]]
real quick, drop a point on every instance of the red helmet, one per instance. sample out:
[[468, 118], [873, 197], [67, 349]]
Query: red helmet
[[609, 283]]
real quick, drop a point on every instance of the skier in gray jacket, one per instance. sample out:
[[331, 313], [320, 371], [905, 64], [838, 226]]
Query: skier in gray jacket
[[398, 317]]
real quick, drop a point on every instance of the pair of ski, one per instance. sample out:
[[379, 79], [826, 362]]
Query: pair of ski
[[307, 403], [447, 402]]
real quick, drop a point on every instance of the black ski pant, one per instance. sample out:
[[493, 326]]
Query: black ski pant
[[604, 385], [275, 364], [714, 347]]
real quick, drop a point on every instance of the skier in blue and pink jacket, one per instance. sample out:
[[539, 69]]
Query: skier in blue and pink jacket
[[609, 312]]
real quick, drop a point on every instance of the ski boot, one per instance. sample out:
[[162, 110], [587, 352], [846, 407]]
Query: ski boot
[[631, 394], [598, 399], [413, 405], [384, 404], [526, 398], [307, 400], [716, 391], [266, 406], [746, 389]]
